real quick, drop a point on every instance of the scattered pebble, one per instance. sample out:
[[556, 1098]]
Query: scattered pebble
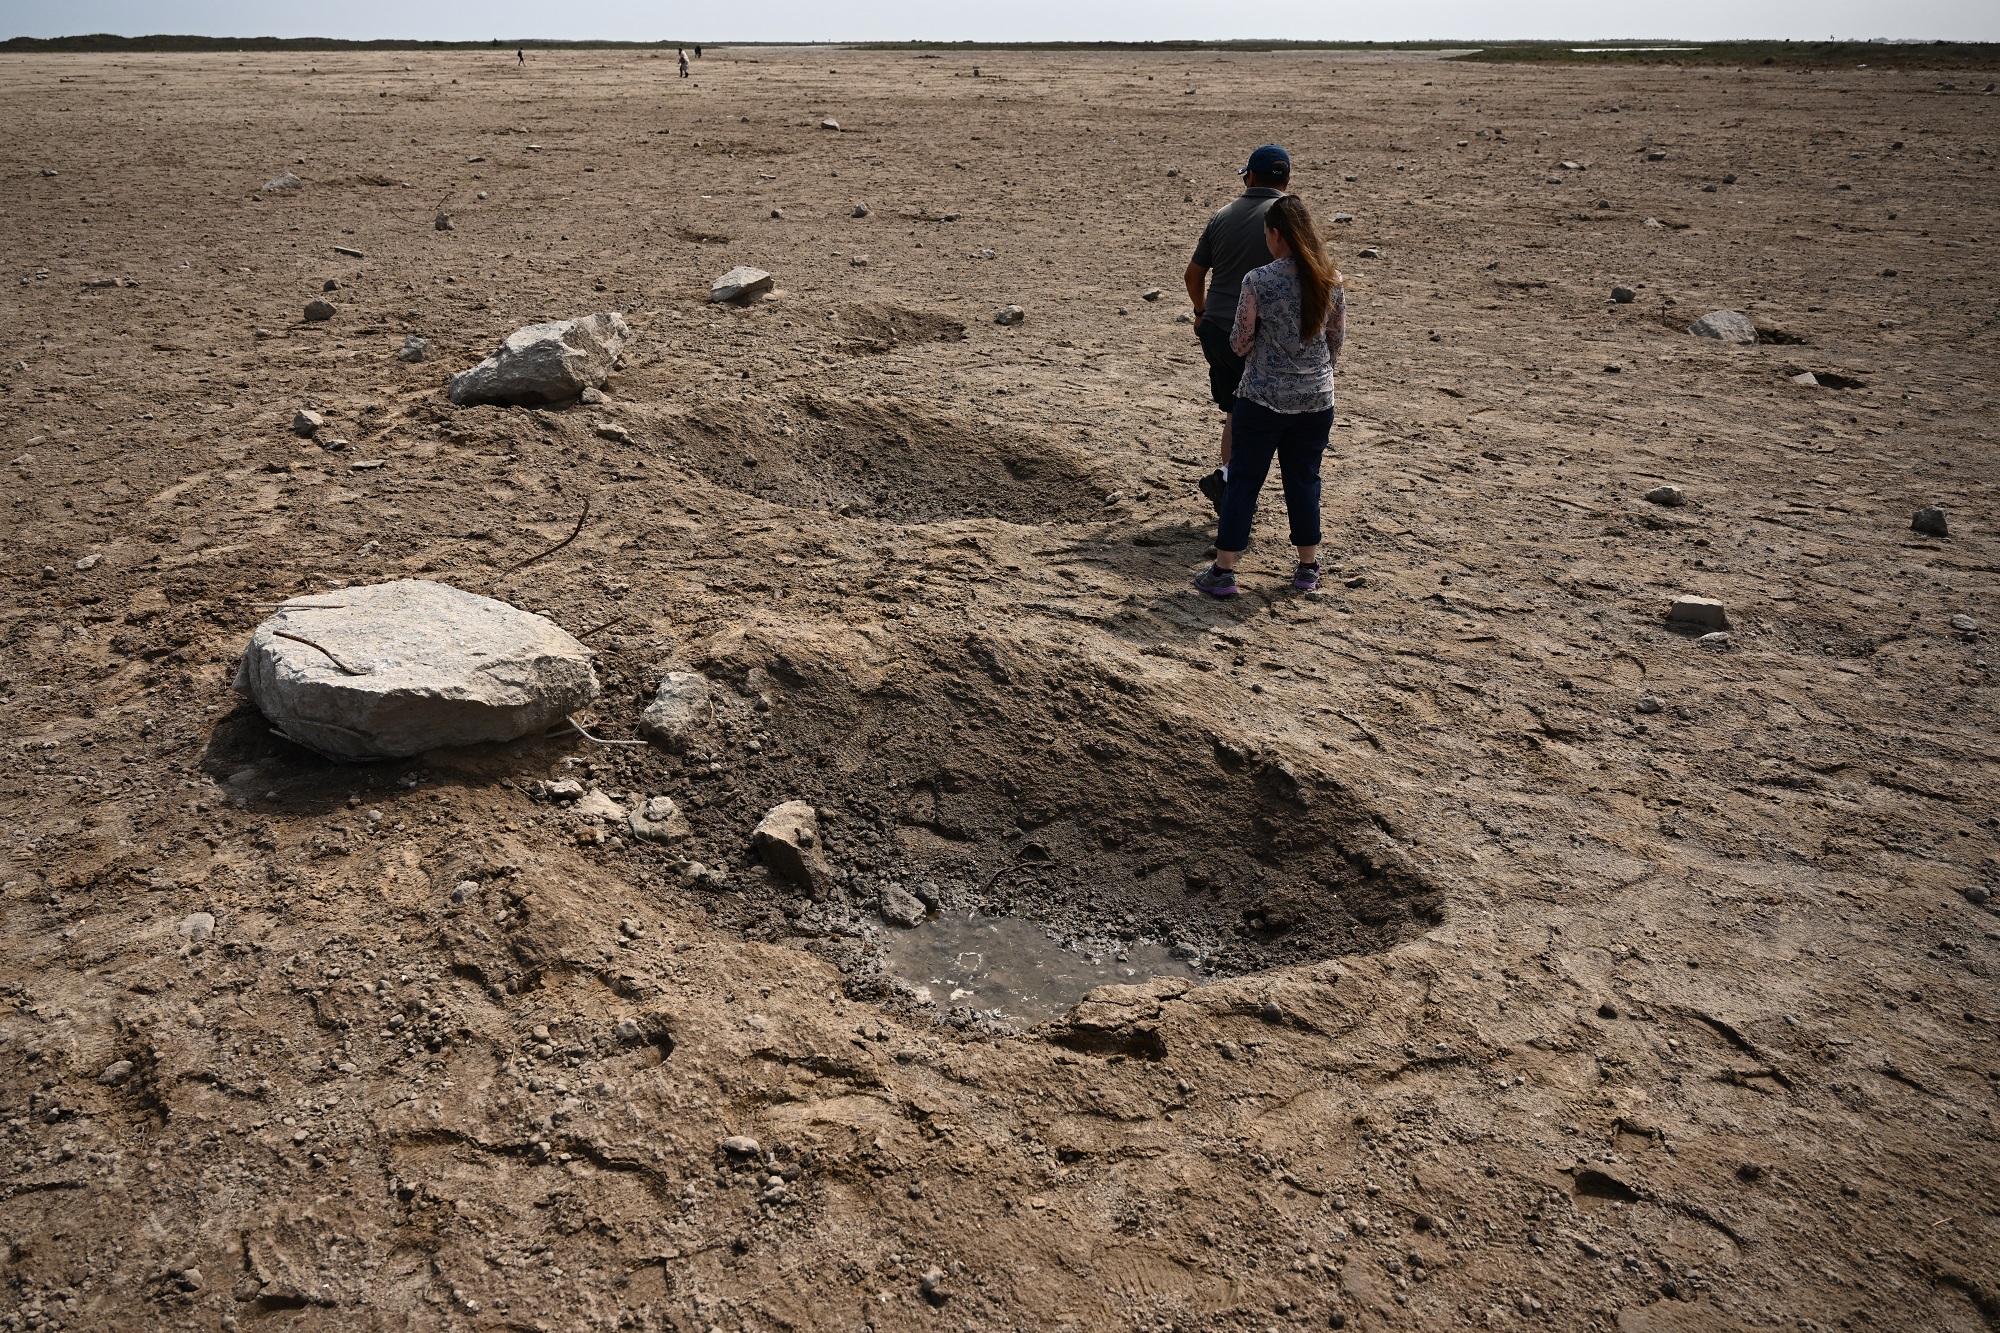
[[306, 422], [1369, 252], [91, 561], [1964, 624], [742, 1145], [1698, 611], [1715, 642], [1624, 295], [860, 210], [1729, 326], [1805, 379], [1930, 521], [740, 284], [442, 222], [901, 908], [1648, 704], [414, 349], [198, 926], [1009, 314], [116, 1074], [1670, 496], [829, 124], [318, 311]]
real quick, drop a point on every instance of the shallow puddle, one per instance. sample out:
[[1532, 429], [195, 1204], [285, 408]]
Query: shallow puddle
[[1008, 969]]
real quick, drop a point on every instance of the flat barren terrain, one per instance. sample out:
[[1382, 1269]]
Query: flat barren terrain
[[1487, 951]]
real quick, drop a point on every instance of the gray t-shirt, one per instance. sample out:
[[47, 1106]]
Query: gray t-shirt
[[1231, 245]]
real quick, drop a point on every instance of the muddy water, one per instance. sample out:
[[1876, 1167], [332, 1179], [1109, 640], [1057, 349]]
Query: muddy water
[[1009, 969]]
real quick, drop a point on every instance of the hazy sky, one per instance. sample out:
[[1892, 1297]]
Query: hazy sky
[[1088, 20]]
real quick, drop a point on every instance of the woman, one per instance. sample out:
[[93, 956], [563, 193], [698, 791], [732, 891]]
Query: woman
[[1290, 323]]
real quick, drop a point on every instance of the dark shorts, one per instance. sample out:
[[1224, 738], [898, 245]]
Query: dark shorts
[[1225, 368]]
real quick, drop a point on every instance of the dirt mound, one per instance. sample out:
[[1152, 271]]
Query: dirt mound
[[886, 460], [879, 328]]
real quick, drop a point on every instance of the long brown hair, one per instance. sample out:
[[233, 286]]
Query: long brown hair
[[1289, 217]]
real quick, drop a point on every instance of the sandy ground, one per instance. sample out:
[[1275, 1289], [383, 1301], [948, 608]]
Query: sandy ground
[[1520, 1007]]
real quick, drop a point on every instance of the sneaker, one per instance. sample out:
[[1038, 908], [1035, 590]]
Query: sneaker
[[1216, 582], [1305, 577], [1212, 486]]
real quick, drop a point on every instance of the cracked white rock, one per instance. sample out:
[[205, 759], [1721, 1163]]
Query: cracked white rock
[[390, 670]]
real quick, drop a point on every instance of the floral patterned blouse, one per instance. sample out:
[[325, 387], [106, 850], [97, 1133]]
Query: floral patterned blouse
[[1281, 372]]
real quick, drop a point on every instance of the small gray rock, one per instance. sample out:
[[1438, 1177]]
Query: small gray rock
[[901, 908], [742, 1145], [319, 311], [1805, 379], [787, 840], [282, 182], [442, 222], [1369, 252], [1729, 326], [829, 124], [740, 284], [1715, 643], [1930, 521], [306, 422], [116, 1074], [1964, 624], [1009, 314], [1648, 704], [660, 820], [1698, 611], [860, 210], [1978, 895], [563, 789], [1624, 295], [198, 926], [596, 805], [1670, 496], [414, 349], [1151, 294], [680, 707], [89, 562], [464, 891], [1343, 217]]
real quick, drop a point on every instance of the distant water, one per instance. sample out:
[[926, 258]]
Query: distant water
[[1008, 968]]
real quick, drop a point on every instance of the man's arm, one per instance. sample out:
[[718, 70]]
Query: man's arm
[[1197, 285]]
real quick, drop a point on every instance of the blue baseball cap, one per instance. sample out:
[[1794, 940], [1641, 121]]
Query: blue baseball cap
[[1270, 160]]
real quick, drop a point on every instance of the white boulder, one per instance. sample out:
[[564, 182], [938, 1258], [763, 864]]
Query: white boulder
[[546, 363], [395, 669]]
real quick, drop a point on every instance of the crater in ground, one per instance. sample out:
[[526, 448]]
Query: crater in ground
[[986, 777]]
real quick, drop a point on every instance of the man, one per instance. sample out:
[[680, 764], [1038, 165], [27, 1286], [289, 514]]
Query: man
[[1231, 245]]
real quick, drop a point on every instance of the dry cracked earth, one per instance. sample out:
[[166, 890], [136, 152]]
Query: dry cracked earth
[[1518, 1003]]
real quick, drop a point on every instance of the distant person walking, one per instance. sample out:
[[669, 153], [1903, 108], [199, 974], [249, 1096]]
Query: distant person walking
[[682, 53], [1291, 320], [520, 56], [1231, 245], [697, 53]]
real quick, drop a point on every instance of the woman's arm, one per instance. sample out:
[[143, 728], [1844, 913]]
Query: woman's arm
[[1244, 332], [1336, 325]]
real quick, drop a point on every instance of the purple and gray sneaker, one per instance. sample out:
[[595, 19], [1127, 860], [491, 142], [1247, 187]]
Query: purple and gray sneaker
[[1305, 577], [1216, 582]]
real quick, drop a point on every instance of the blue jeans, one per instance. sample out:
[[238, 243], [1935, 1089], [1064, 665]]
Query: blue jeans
[[1296, 439]]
